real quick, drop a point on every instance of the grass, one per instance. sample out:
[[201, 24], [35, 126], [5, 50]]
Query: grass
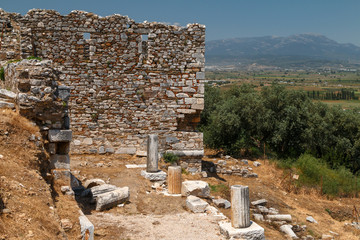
[[315, 174], [170, 157], [221, 189]]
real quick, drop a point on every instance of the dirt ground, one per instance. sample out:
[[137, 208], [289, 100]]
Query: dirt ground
[[149, 215], [31, 208]]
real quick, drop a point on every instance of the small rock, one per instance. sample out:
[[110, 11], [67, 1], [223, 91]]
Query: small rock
[[227, 157], [258, 217], [256, 164], [6, 211], [333, 233], [311, 219], [1, 156], [221, 162], [252, 175], [327, 237], [204, 174], [65, 189], [222, 203], [245, 161], [66, 224]]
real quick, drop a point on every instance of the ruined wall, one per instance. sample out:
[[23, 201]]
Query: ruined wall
[[127, 79], [38, 97]]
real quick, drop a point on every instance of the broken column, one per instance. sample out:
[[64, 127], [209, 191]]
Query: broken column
[[152, 153], [174, 179], [240, 206], [241, 226], [152, 172]]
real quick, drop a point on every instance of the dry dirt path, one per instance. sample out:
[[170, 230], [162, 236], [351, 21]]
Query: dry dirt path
[[148, 215]]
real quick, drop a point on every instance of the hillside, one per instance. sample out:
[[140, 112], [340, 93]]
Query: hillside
[[302, 50], [29, 207]]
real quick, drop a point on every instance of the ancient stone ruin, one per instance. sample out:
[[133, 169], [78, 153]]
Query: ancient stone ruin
[[127, 79]]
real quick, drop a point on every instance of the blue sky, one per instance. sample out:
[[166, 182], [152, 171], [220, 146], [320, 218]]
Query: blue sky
[[336, 19]]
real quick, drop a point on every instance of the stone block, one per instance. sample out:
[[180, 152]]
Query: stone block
[[258, 217], [195, 188], [261, 202], [154, 176], [52, 148], [56, 135], [196, 204], [4, 104], [254, 232], [87, 228], [64, 93], [59, 161], [222, 203], [7, 94], [130, 151], [112, 199]]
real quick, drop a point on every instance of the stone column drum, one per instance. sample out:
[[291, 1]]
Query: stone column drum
[[152, 153], [174, 179], [240, 206]]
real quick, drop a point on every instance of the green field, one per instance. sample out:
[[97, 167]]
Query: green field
[[313, 82]]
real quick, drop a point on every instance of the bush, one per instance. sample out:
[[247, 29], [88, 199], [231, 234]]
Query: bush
[[170, 157]]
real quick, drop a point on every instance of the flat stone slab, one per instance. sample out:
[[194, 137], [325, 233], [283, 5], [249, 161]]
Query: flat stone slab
[[156, 176], [254, 232], [4, 104], [7, 94], [196, 204], [261, 202], [57, 135], [195, 188], [135, 166]]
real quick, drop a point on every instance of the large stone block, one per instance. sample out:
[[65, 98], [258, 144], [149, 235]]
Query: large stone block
[[56, 135], [196, 204], [254, 232], [195, 188], [59, 161]]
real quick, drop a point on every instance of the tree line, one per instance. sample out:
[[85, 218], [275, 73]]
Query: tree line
[[284, 123], [343, 94]]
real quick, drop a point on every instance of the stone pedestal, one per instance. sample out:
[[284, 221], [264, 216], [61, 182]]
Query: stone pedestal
[[240, 206], [152, 153], [154, 176], [253, 232], [174, 179]]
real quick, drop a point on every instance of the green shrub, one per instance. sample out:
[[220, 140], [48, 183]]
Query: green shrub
[[170, 157], [2, 74]]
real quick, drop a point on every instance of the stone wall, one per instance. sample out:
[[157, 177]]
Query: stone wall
[[38, 96], [127, 79]]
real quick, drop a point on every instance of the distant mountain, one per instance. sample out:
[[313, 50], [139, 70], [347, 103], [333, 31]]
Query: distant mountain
[[296, 50]]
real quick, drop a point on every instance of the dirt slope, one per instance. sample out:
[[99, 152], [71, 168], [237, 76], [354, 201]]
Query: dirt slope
[[27, 207]]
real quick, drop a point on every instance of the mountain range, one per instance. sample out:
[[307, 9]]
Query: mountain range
[[299, 51]]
